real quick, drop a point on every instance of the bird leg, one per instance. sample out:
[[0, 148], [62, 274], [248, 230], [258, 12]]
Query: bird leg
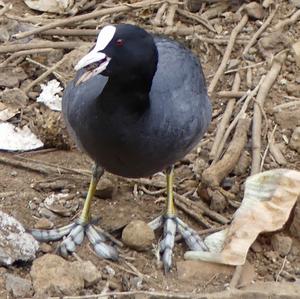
[[74, 232], [171, 225]]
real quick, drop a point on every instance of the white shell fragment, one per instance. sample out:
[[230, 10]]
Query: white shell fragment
[[267, 204], [49, 95], [16, 139], [15, 243], [55, 6]]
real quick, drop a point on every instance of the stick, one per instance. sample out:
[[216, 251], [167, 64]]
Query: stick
[[227, 53], [288, 21], [22, 53], [270, 137], [71, 32], [39, 45], [44, 75], [206, 211], [231, 94], [257, 116], [213, 175], [171, 14], [226, 117], [88, 16], [241, 114], [197, 18], [276, 152], [260, 31], [157, 20]]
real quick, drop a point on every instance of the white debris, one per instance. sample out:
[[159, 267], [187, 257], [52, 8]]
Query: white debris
[[15, 243], [49, 95], [56, 6], [54, 198], [17, 139], [268, 201]]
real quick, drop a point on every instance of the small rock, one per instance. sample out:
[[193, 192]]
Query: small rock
[[296, 50], [232, 64], [54, 276], [293, 89], [44, 223], [295, 226], [45, 248], [218, 201], [247, 275], [201, 271], [138, 235], [18, 286], [255, 10], [256, 247], [14, 97], [88, 272], [44, 212], [295, 140], [105, 188], [288, 119], [15, 243], [12, 76], [281, 244]]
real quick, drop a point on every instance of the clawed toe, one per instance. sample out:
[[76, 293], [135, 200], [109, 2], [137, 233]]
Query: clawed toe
[[173, 224], [74, 235]]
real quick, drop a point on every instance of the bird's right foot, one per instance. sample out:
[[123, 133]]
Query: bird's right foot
[[74, 235]]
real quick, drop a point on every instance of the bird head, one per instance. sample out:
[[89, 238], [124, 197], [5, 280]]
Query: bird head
[[123, 52]]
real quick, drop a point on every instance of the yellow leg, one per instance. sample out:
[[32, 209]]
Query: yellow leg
[[86, 214], [170, 199]]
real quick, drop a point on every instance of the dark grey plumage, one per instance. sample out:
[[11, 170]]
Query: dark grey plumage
[[132, 133]]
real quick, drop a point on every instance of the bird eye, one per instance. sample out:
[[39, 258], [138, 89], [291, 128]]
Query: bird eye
[[120, 42]]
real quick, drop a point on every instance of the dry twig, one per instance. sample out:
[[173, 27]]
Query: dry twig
[[260, 31], [88, 16], [213, 175], [257, 116], [227, 53], [40, 45], [226, 117]]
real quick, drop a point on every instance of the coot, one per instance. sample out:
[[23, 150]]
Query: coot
[[137, 105]]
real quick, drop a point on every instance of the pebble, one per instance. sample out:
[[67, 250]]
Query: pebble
[[293, 89], [295, 140], [44, 223], [18, 286], [138, 235], [88, 271], [255, 10], [15, 243], [188, 271], [281, 244], [45, 248], [105, 188]]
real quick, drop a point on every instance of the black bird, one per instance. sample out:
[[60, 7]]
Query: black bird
[[137, 105]]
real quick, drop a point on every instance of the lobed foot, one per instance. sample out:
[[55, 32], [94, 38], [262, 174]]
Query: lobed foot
[[172, 225], [74, 234]]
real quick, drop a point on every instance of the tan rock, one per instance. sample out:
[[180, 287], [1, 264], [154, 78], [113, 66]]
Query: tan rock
[[44, 223], [201, 271], [88, 271], [282, 244], [53, 276], [295, 226], [138, 235]]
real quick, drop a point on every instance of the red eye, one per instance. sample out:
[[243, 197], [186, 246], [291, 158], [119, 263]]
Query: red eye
[[120, 42]]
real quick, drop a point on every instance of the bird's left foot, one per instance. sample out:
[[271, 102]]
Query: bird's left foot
[[172, 225]]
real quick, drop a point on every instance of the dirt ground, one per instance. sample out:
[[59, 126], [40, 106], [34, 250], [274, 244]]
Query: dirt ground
[[24, 190]]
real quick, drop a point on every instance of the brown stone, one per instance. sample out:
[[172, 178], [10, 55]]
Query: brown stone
[[138, 235]]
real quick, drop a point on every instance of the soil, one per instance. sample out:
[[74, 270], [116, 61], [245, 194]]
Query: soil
[[127, 200]]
